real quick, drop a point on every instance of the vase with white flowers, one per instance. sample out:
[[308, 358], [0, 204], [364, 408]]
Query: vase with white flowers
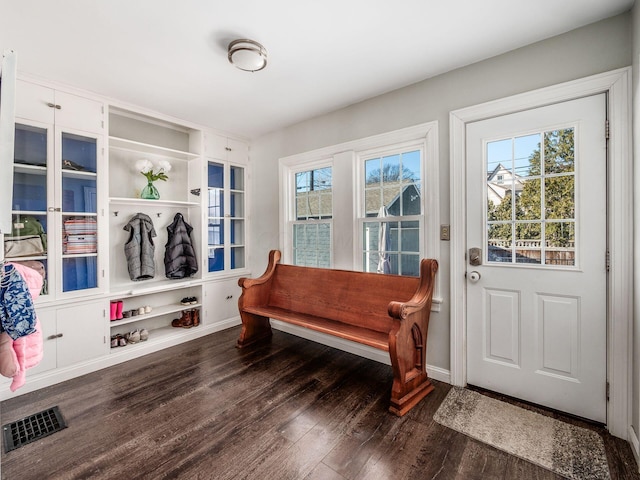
[[152, 173]]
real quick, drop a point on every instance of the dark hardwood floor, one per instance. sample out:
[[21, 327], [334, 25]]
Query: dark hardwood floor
[[291, 409]]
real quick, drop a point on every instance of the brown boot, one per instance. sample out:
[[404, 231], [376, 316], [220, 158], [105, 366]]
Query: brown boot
[[185, 321], [195, 316]]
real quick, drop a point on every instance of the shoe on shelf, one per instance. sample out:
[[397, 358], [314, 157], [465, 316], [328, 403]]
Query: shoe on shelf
[[144, 335], [132, 337], [185, 321], [122, 342], [147, 309], [195, 317], [189, 301], [114, 341]]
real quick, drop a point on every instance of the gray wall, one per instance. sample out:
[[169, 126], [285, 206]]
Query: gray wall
[[596, 48]]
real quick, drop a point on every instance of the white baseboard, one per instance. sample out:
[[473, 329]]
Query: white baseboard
[[58, 375], [635, 444], [436, 373]]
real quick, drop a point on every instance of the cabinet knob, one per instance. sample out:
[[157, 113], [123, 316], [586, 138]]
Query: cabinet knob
[[229, 297], [53, 105], [53, 337], [228, 149]]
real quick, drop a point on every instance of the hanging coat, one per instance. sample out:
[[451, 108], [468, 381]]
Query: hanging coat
[[139, 248], [180, 256]]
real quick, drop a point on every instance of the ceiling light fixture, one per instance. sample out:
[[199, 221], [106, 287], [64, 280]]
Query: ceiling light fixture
[[247, 55]]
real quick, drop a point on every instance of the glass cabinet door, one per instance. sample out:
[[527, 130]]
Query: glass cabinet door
[[27, 243], [79, 232], [215, 217], [225, 217], [54, 207], [236, 214]]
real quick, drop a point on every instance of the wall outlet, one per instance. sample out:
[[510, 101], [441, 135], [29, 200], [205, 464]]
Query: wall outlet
[[445, 232]]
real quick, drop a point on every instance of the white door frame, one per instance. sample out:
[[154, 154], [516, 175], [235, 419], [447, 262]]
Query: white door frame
[[617, 84]]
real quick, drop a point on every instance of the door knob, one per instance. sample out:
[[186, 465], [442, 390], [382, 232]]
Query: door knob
[[474, 276]]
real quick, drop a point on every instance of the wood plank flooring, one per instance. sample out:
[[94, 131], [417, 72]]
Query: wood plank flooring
[[289, 409]]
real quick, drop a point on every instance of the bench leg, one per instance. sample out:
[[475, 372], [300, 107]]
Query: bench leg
[[255, 328], [410, 382]]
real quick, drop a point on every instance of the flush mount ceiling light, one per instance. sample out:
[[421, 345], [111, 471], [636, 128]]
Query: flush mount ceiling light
[[247, 55]]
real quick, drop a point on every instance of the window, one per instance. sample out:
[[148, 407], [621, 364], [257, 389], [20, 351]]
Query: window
[[311, 229], [393, 196], [331, 201], [533, 220]]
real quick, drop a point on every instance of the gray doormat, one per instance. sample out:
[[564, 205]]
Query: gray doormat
[[32, 428], [565, 449]]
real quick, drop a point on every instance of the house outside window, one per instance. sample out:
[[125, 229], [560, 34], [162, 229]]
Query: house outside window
[[311, 229], [392, 195]]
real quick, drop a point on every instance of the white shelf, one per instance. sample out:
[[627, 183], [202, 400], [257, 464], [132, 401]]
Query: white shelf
[[78, 174], [146, 287], [147, 203], [31, 169], [157, 335], [139, 147], [156, 312]]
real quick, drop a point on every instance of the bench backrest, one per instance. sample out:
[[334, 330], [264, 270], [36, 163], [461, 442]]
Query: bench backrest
[[356, 298]]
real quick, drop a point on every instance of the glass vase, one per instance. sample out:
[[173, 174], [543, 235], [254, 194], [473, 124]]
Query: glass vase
[[150, 192]]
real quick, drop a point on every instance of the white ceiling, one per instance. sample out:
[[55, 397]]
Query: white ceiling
[[170, 55]]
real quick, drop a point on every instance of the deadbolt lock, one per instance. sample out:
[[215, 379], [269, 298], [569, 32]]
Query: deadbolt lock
[[475, 256]]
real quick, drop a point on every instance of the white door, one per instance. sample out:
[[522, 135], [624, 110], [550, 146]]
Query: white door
[[536, 285]]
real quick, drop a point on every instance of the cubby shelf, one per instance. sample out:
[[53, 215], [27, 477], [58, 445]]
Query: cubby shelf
[[155, 335], [140, 147], [146, 203], [156, 312]]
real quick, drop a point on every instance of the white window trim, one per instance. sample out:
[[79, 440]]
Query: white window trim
[[426, 133]]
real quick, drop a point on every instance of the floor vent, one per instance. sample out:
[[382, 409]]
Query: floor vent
[[32, 428]]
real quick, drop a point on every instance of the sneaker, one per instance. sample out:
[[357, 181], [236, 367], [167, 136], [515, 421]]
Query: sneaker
[[114, 341], [193, 301], [132, 337], [144, 335], [186, 301]]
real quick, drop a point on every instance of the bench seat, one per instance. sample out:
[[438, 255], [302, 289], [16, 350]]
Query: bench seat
[[386, 312], [365, 336]]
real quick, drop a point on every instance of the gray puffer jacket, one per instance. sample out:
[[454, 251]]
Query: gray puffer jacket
[[179, 257], [140, 248]]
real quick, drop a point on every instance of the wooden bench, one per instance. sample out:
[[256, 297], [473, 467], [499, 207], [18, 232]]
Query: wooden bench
[[387, 312]]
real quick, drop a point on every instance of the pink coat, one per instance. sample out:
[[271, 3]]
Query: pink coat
[[25, 352]]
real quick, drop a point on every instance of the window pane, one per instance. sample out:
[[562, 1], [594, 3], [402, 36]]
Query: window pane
[[216, 259], [528, 242], [314, 196], [526, 153], [559, 197], [215, 175], [391, 172], [411, 166], [216, 203], [560, 243], [499, 242], [559, 151], [372, 172], [236, 178], [215, 232], [237, 204], [528, 200], [312, 244]]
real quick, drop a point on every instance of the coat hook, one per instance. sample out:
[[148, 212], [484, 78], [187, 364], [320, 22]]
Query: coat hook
[[158, 214], [115, 214]]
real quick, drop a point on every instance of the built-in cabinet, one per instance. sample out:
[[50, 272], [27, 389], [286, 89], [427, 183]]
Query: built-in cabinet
[[56, 203], [76, 175]]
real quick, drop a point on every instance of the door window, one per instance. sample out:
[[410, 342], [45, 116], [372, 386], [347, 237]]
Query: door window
[[530, 199]]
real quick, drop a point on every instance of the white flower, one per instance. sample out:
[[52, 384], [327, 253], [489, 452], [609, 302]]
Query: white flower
[[144, 166], [164, 166]]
